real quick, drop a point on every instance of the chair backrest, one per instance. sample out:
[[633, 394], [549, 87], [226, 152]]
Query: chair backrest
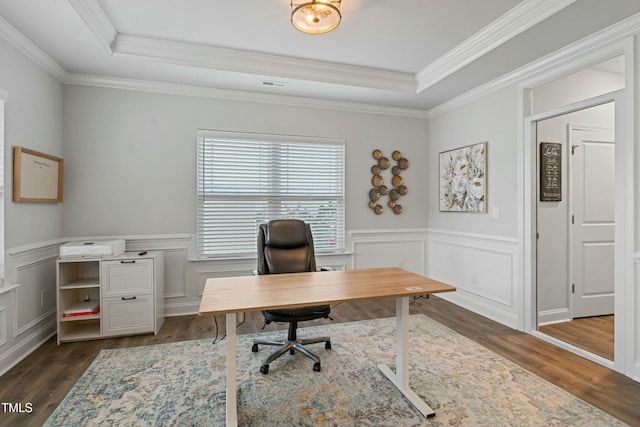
[[285, 246]]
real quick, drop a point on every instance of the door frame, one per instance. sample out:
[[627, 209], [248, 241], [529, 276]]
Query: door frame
[[623, 218]]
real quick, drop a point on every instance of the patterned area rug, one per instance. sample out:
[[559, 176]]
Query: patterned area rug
[[183, 384]]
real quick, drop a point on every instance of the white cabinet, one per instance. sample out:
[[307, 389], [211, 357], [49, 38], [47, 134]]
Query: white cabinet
[[129, 290]]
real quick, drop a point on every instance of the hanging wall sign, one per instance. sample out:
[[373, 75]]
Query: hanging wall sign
[[550, 172]]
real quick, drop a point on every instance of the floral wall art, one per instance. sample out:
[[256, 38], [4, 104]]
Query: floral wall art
[[463, 179]]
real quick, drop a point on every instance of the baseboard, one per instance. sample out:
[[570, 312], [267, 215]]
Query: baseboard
[[476, 305], [27, 346], [550, 317]]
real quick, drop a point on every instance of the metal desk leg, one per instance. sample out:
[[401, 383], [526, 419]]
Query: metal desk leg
[[401, 377], [232, 387]]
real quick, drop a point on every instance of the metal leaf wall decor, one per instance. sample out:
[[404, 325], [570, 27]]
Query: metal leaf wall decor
[[380, 190]]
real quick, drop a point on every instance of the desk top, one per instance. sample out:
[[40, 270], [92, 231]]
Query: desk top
[[272, 291]]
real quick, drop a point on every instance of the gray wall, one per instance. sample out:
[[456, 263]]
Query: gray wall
[[130, 157], [33, 119], [473, 251], [491, 119]]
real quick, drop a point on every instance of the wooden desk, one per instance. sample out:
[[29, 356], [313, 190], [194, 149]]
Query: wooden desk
[[232, 295]]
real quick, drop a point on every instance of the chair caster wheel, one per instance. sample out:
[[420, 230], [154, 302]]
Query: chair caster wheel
[[316, 366], [327, 345], [292, 352], [254, 348], [264, 369]]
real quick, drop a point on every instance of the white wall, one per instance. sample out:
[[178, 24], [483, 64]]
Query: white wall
[[460, 246], [474, 251], [33, 119]]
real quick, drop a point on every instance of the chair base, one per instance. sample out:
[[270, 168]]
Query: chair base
[[291, 347]]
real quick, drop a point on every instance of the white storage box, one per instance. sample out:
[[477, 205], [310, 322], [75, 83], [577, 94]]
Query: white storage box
[[95, 249]]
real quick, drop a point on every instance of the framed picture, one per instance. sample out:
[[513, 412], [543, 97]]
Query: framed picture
[[463, 179], [37, 177]]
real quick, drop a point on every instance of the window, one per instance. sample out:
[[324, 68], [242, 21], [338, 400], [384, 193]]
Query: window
[[247, 179]]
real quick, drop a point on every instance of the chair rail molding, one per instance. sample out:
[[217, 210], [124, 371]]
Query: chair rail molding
[[484, 270], [24, 329], [404, 248]]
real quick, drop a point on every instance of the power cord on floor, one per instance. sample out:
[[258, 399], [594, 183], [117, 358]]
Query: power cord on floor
[[417, 297], [217, 339]]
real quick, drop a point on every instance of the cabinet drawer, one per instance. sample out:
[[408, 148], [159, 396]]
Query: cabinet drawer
[[127, 315], [127, 277]]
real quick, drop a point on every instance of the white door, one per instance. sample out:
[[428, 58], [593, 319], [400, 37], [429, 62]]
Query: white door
[[592, 204]]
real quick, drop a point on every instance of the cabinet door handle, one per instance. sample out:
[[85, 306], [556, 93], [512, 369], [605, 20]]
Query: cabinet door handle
[[128, 298], [131, 261]]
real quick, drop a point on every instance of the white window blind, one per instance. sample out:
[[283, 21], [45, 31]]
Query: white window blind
[[247, 179]]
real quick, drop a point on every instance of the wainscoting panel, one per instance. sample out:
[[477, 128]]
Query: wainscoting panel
[[482, 268], [30, 306], [631, 347], [4, 326], [28, 301], [389, 248]]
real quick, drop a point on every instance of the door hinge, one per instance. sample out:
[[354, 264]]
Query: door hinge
[[538, 236], [573, 288], [573, 219]]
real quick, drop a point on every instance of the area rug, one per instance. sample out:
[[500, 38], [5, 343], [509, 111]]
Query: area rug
[[183, 384]]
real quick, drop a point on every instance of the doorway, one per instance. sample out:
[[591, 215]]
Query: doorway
[[552, 290], [575, 258]]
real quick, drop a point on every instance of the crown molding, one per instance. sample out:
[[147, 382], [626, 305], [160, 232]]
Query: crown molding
[[605, 44], [211, 57], [517, 20], [523, 16], [242, 96], [26, 46], [29, 49], [97, 20]]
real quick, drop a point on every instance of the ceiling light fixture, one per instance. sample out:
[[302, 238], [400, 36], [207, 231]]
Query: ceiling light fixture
[[317, 16]]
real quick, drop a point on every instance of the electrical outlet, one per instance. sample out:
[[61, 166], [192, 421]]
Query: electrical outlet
[[43, 298], [474, 279]]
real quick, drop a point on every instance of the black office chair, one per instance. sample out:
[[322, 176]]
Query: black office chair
[[286, 246]]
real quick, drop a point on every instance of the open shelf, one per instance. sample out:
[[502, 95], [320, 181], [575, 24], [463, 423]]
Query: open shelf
[[80, 318], [89, 282], [83, 329]]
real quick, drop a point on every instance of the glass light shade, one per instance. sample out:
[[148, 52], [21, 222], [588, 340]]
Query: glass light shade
[[316, 17]]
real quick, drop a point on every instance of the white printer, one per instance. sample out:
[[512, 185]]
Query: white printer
[[92, 249]]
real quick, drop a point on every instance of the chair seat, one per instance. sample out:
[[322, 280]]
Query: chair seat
[[300, 314]]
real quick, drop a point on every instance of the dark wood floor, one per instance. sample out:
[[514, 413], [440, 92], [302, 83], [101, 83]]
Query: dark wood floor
[[594, 334], [46, 376]]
